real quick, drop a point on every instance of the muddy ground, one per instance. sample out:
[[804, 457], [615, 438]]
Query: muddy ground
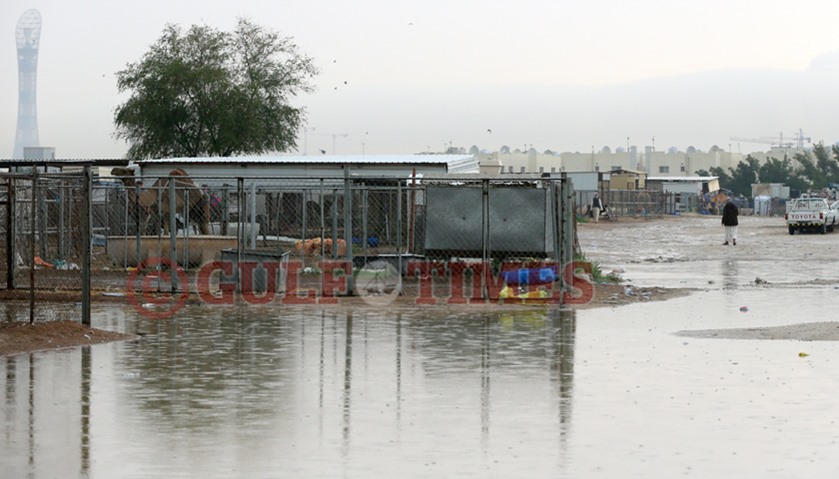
[[686, 243], [21, 337], [614, 245], [690, 238]]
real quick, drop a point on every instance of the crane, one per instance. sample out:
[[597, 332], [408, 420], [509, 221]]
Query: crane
[[778, 141]]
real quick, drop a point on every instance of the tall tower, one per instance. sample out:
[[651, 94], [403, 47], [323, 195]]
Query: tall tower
[[28, 36]]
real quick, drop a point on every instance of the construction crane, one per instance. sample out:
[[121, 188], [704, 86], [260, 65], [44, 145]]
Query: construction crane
[[778, 141]]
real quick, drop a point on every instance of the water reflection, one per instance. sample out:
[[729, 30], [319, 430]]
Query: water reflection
[[730, 274], [85, 411], [46, 412], [238, 391], [562, 367], [347, 383], [261, 392]]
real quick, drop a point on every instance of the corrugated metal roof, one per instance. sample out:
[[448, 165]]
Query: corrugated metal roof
[[682, 178], [321, 160]]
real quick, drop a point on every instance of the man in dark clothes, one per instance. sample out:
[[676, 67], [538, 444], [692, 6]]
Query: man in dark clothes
[[729, 221], [596, 207]]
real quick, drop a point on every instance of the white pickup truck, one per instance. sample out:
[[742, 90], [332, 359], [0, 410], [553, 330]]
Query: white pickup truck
[[811, 214]]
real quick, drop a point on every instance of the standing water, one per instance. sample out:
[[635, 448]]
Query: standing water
[[426, 392]]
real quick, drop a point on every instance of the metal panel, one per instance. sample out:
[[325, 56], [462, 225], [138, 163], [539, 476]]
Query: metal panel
[[584, 181], [453, 218], [517, 219]]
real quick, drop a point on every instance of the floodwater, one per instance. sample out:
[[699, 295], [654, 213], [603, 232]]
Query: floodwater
[[251, 392], [282, 391]]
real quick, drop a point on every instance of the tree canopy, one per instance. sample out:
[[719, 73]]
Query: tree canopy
[[206, 92], [807, 170]]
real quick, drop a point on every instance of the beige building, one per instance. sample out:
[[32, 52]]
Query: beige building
[[655, 163]]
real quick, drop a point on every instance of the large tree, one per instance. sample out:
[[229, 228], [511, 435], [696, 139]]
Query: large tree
[[742, 176], [205, 92], [814, 167], [781, 171]]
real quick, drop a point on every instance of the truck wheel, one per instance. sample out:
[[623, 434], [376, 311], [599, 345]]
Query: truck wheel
[[823, 229], [792, 230]]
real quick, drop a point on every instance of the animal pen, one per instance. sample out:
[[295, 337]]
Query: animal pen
[[75, 233], [638, 203]]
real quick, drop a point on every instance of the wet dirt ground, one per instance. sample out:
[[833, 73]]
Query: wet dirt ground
[[699, 238], [687, 252]]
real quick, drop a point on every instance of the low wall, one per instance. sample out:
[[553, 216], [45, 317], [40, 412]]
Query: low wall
[[192, 251]]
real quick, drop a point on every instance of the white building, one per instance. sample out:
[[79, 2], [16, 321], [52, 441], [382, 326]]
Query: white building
[[402, 166]]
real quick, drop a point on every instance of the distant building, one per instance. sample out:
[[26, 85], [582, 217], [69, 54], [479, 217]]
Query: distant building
[[654, 163]]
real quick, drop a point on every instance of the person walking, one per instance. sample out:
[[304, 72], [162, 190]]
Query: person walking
[[729, 221], [596, 206]]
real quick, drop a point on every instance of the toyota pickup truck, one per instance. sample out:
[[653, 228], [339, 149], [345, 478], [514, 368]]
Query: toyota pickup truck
[[811, 214]]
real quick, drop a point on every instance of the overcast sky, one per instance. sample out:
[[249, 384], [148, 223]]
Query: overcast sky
[[420, 75]]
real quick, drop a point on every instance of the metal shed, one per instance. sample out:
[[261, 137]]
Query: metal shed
[[314, 166]]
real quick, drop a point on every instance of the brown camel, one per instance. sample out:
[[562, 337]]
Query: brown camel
[[185, 190], [718, 200]]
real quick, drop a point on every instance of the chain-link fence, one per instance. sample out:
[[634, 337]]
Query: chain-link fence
[[635, 203], [449, 229], [43, 225], [45, 222]]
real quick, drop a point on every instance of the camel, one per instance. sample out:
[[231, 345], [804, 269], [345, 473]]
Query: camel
[[718, 200], [199, 206]]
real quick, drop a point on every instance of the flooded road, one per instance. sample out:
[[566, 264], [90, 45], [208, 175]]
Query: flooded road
[[254, 391]]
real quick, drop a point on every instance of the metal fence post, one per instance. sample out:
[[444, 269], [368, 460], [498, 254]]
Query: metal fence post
[[187, 227], [32, 221], [304, 218], [240, 232], [573, 243], [570, 233], [485, 246], [555, 225], [365, 209], [398, 225], [173, 236], [87, 238], [334, 233], [62, 247], [11, 249], [322, 200], [41, 219], [138, 230], [252, 214], [347, 229]]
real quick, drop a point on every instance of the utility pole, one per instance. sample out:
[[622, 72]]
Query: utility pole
[[306, 140], [336, 135]]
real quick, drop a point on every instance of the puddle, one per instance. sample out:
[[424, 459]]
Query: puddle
[[268, 392]]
